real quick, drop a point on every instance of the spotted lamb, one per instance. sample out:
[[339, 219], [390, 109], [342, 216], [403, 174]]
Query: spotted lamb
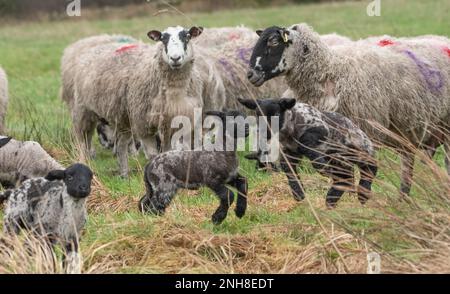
[[168, 172], [332, 142], [53, 208]]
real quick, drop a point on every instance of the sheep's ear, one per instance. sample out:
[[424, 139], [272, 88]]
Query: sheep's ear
[[195, 31], [155, 35], [249, 103], [55, 175], [259, 32], [252, 156], [4, 141], [215, 113], [287, 103]]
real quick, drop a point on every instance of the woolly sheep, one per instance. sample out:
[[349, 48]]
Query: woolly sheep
[[3, 99], [20, 161], [138, 89], [70, 64], [168, 172], [332, 142], [53, 207], [361, 81]]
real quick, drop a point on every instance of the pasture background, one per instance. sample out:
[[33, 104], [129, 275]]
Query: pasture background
[[277, 234]]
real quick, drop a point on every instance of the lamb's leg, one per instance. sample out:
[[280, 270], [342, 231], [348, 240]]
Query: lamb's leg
[[242, 187], [150, 146], [368, 172], [226, 197], [72, 260], [84, 124], [342, 181], [123, 141], [407, 172], [289, 165], [157, 197]]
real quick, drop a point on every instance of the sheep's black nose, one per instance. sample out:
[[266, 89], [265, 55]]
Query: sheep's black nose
[[83, 187], [176, 59]]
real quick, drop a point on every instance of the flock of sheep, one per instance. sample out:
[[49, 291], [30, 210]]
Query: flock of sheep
[[333, 97]]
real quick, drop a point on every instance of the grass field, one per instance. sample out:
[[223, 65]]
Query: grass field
[[277, 234]]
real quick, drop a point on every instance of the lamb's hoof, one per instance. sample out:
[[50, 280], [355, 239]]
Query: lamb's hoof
[[240, 211], [218, 218], [331, 204]]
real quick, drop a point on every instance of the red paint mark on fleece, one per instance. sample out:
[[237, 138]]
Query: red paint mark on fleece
[[126, 48], [233, 36], [385, 42], [447, 50]]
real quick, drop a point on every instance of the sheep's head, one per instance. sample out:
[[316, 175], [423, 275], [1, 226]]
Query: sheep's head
[[77, 179], [178, 50], [269, 108], [271, 55]]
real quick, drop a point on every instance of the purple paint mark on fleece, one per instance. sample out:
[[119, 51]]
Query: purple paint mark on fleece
[[227, 66], [432, 77], [244, 54]]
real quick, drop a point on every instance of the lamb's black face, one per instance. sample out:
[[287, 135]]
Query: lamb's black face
[[78, 178], [269, 108], [268, 59]]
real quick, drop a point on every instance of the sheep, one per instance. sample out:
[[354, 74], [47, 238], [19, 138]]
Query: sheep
[[20, 161], [53, 208], [361, 81], [107, 138], [174, 170], [217, 37], [70, 63], [332, 142], [3, 99], [138, 89]]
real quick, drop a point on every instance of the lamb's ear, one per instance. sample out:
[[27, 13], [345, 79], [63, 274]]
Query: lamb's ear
[[259, 32], [249, 103], [195, 31], [55, 175], [216, 113], [155, 35], [252, 156], [287, 103], [4, 141]]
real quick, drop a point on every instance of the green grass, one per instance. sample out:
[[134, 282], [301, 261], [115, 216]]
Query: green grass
[[31, 52]]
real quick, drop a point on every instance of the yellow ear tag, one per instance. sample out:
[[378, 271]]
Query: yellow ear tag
[[285, 37]]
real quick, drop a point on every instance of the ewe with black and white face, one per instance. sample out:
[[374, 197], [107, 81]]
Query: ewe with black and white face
[[273, 54], [178, 50]]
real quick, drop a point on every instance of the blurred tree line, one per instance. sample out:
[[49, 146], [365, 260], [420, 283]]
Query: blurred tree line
[[23, 8]]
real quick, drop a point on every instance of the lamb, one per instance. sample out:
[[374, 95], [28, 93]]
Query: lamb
[[138, 89], [360, 81], [332, 142], [53, 208], [3, 99], [20, 161], [174, 170]]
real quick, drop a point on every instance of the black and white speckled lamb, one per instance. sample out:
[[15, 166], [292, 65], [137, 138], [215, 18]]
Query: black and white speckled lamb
[[168, 172], [332, 142], [53, 207]]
